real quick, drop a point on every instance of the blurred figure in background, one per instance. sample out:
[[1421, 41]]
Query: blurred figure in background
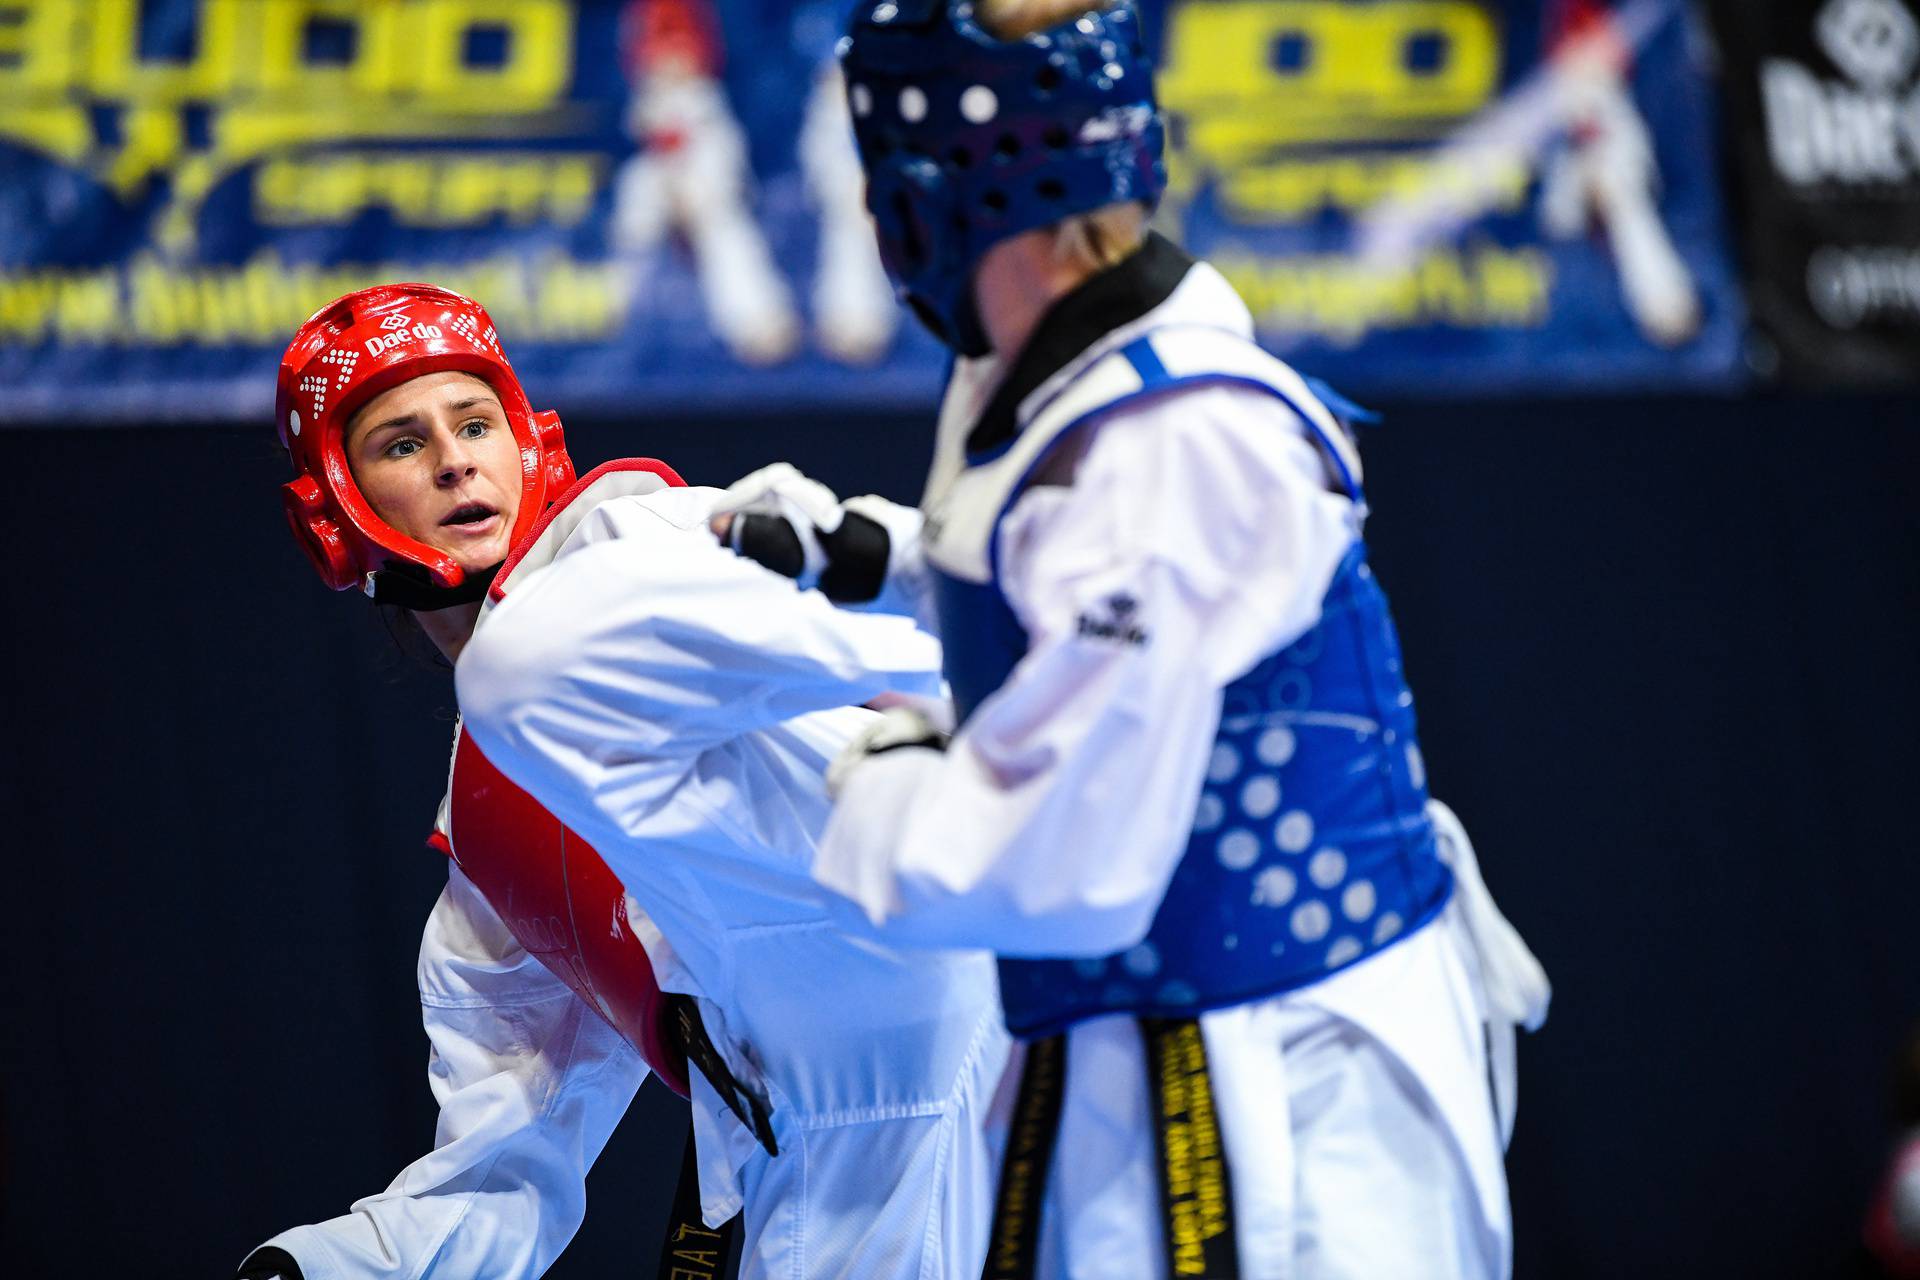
[[1603, 175], [854, 310], [1893, 1224], [692, 175]]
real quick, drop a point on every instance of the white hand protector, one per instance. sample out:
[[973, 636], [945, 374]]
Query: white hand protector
[[797, 526], [781, 492], [898, 728]]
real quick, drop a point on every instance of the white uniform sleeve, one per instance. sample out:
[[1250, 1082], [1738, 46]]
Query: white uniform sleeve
[[647, 641], [1198, 536], [530, 1083]]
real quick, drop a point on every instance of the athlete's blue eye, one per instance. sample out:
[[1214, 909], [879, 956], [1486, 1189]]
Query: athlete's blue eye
[[404, 447], [475, 428]]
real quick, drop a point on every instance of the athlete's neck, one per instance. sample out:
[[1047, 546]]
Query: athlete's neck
[[449, 628], [1017, 281]]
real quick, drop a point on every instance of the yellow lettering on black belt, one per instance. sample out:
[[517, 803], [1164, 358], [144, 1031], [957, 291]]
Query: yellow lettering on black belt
[[1013, 1244], [691, 1249], [1196, 1193]]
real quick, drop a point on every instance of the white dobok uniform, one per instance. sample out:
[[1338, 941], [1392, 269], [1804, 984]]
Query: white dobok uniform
[[1360, 1134], [677, 707]]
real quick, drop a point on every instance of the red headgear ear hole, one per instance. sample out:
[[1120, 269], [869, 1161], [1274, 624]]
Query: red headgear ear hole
[[318, 536], [553, 447]]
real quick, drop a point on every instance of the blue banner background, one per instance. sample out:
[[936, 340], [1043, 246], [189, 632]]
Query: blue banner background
[[183, 181]]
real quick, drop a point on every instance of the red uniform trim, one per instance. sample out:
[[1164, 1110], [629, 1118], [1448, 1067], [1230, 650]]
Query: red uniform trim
[[498, 590]]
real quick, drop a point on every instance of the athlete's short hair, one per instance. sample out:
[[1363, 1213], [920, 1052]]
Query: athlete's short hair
[[1103, 238], [1012, 19]]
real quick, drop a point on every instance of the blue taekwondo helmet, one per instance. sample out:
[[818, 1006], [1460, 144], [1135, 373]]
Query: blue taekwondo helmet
[[968, 139]]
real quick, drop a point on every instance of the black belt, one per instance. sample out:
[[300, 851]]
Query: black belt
[[1014, 1243], [691, 1250], [1196, 1192], [746, 1102]]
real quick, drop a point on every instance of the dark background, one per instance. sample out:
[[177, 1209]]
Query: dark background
[[1665, 657]]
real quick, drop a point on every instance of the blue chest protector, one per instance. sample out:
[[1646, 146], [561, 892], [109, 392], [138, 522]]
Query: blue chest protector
[[1311, 847]]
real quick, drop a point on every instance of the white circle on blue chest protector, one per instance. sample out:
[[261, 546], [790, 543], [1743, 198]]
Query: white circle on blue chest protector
[[1342, 951], [1261, 796], [1358, 900], [1238, 849], [860, 98], [1294, 832], [1209, 813], [1143, 961], [1328, 868], [1386, 927], [979, 104], [1310, 921], [1224, 764], [913, 104], [1275, 746], [1274, 887]]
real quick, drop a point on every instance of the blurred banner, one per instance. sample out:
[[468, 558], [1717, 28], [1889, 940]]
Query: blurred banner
[[1421, 196], [1825, 99], [659, 201]]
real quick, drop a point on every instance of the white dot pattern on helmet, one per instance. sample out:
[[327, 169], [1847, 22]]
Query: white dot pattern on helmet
[[913, 104], [1224, 764], [1386, 928], [344, 359], [1311, 920], [1275, 746], [1208, 814], [315, 385], [1142, 961], [1261, 796], [293, 420], [1328, 868], [1238, 849], [1343, 951], [860, 98], [979, 104], [1294, 832], [1274, 887], [491, 337], [1359, 900]]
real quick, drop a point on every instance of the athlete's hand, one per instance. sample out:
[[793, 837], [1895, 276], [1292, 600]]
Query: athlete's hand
[[798, 527], [898, 728]]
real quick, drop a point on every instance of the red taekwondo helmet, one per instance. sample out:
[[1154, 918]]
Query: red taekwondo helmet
[[353, 349]]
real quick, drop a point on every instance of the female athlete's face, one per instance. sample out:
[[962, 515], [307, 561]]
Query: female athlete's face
[[435, 459]]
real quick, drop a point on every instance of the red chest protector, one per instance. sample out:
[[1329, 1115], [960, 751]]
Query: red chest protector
[[555, 894], [562, 903]]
